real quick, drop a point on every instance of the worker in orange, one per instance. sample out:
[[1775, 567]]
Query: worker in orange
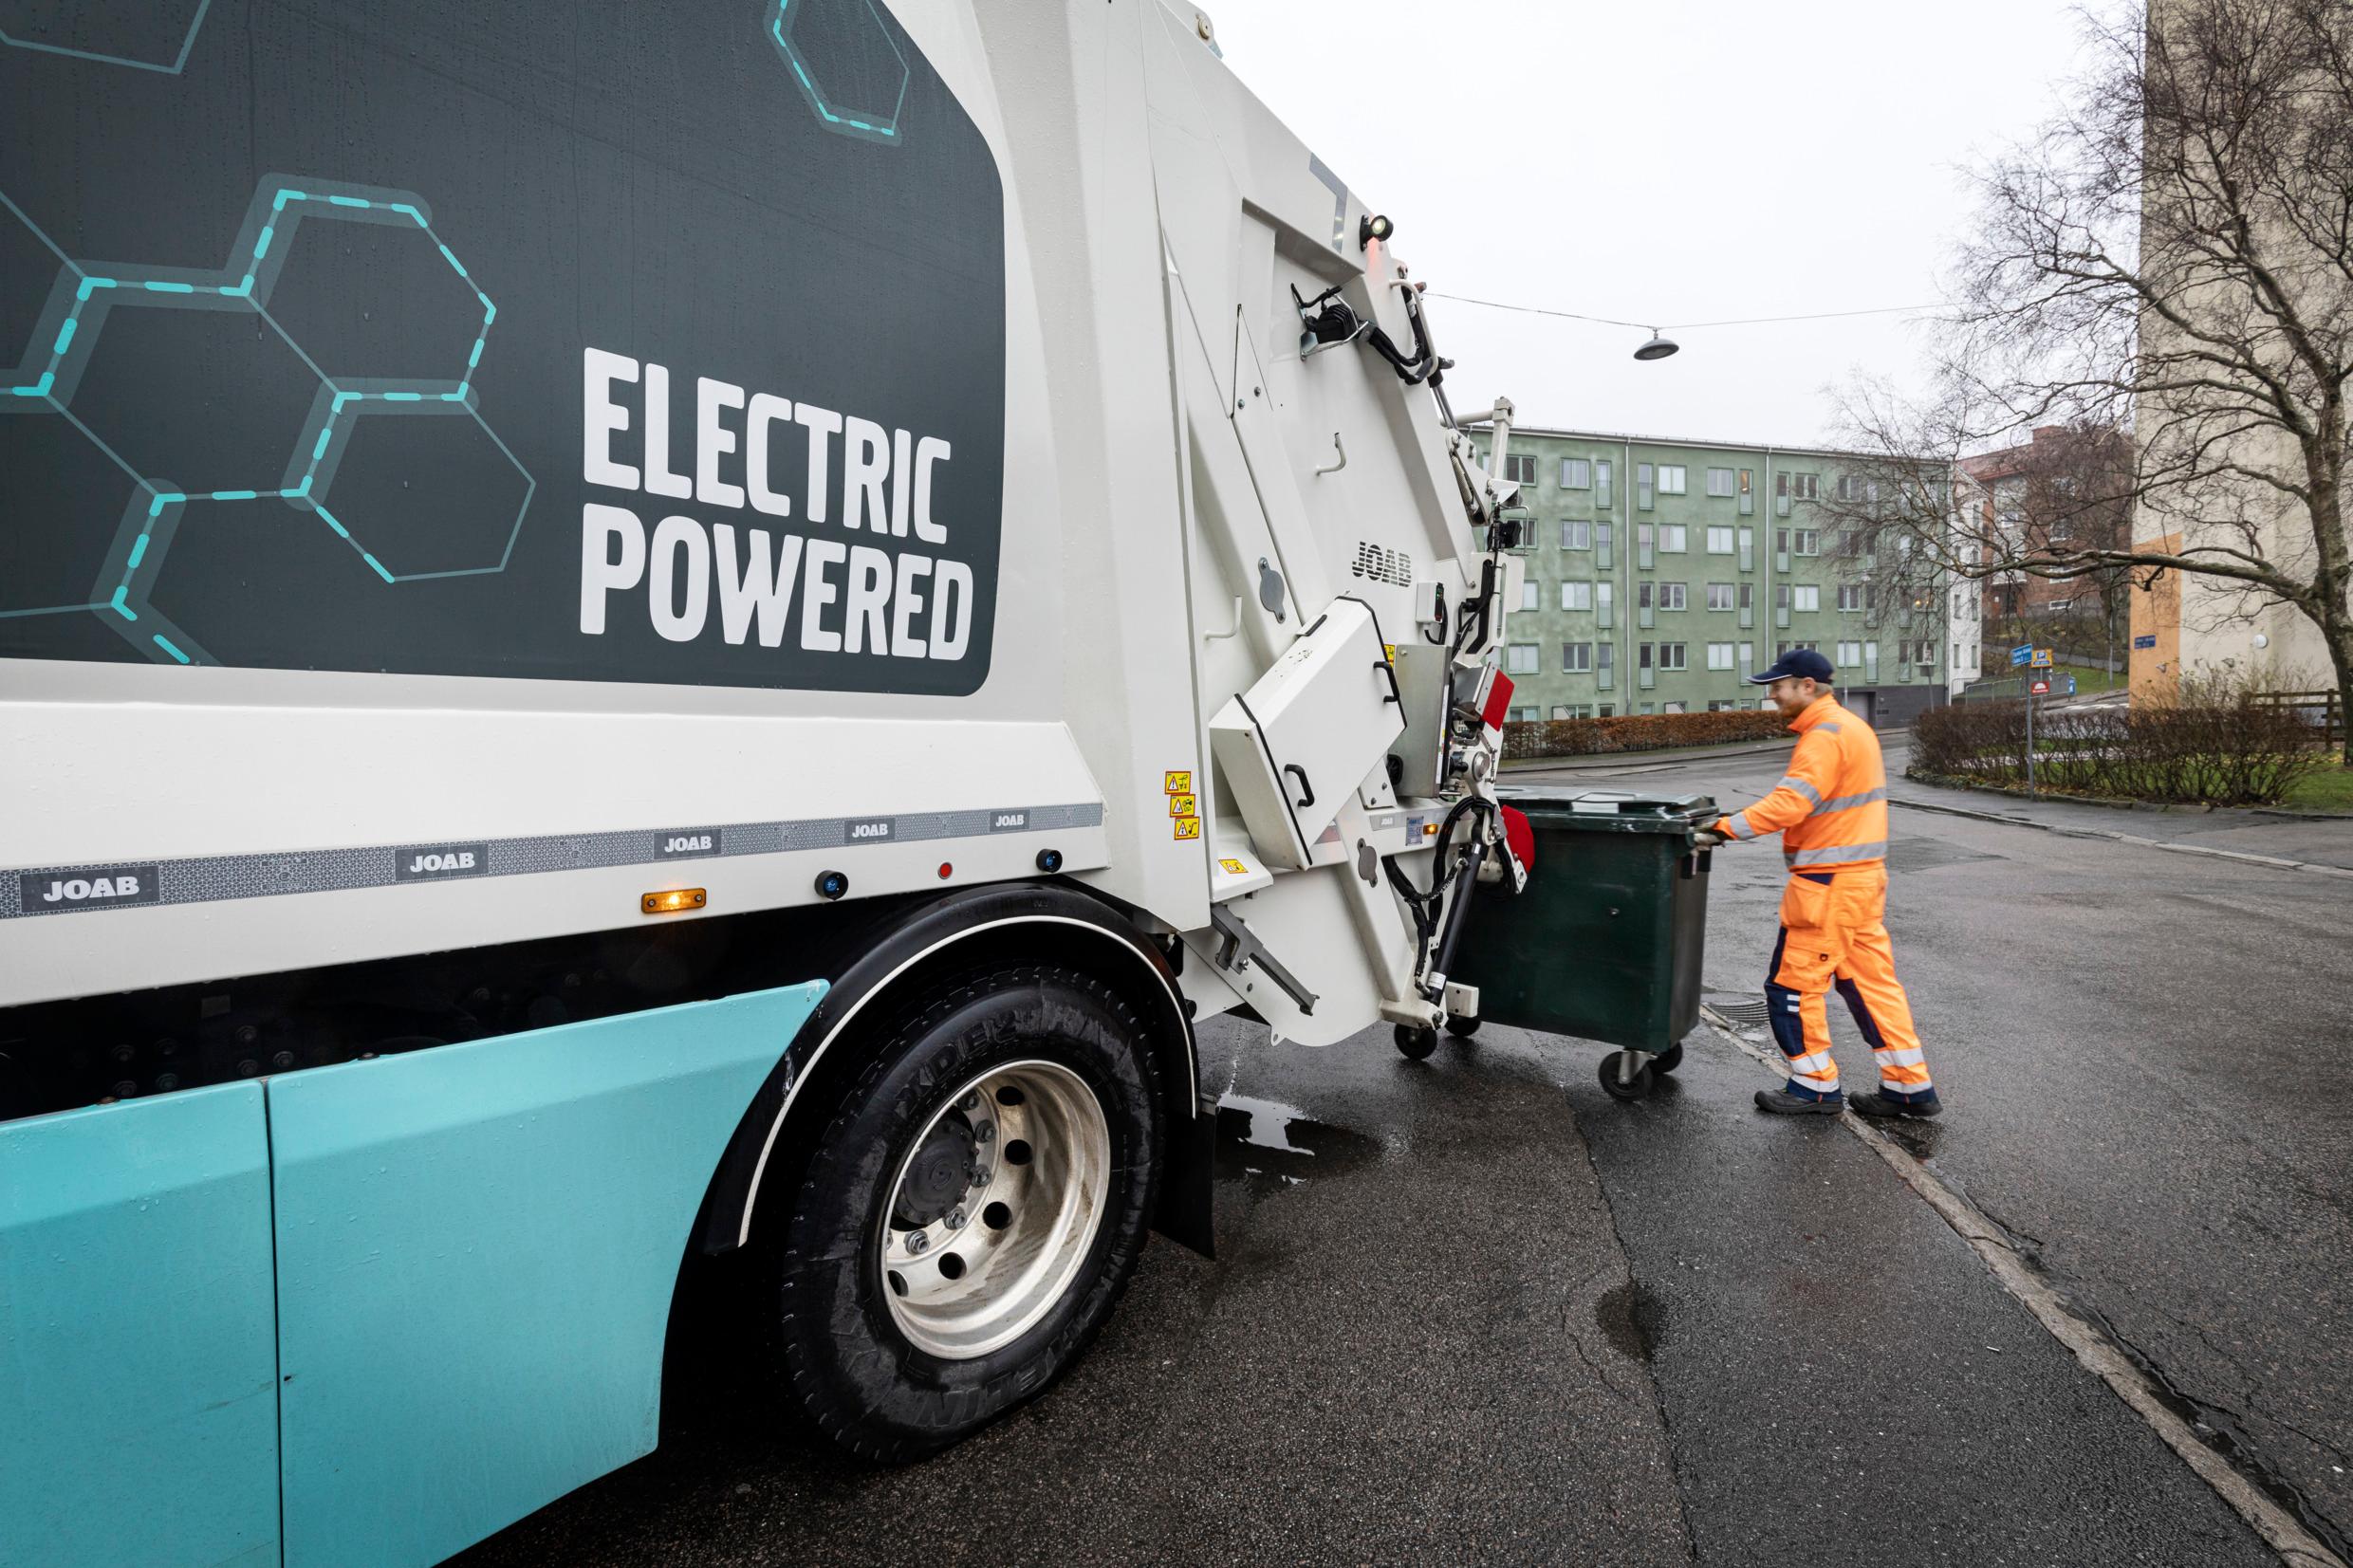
[[1831, 812]]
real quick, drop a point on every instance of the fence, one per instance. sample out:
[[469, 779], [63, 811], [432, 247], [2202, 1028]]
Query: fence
[[2323, 711]]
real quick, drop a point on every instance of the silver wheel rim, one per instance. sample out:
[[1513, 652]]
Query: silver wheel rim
[[969, 1271]]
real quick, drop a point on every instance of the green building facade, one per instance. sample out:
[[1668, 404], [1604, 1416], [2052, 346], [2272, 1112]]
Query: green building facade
[[1661, 573]]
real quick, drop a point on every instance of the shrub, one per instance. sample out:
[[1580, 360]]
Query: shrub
[[2218, 743], [1637, 732]]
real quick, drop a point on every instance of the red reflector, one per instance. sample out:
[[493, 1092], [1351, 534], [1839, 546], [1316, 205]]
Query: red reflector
[[1498, 702], [946, 871]]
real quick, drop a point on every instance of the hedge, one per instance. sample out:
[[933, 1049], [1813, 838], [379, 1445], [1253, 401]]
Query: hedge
[[2217, 747], [1640, 732]]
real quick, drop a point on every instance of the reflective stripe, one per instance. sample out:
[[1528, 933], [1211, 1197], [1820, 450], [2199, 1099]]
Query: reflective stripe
[[1827, 727], [1849, 803], [1906, 1091], [1816, 1064], [1899, 1056], [1791, 780], [1732, 827], [1834, 853]]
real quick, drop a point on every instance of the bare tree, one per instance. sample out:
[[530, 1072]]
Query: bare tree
[[2172, 257]]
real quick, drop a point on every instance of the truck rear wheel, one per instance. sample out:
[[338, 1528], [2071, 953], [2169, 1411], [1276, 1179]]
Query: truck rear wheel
[[971, 1212]]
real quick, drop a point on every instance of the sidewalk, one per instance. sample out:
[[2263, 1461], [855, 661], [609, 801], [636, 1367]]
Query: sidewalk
[[2318, 844]]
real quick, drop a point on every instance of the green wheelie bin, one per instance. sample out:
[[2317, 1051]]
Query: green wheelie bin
[[1604, 943]]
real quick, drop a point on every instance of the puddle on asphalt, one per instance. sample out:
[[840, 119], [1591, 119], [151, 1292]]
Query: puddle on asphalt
[[1631, 1319], [1282, 1144]]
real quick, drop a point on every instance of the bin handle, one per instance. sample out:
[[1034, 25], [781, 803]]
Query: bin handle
[[1306, 793]]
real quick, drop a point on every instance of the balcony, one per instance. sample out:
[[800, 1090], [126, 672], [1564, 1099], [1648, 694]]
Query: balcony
[[1603, 616], [1650, 678], [1605, 678], [1645, 557], [1781, 505], [1646, 617], [1748, 618], [1781, 617], [1781, 560], [1748, 558], [1604, 556]]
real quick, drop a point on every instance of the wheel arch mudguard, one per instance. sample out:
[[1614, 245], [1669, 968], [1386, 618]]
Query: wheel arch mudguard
[[915, 945]]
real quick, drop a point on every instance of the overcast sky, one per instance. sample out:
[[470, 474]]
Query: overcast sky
[[1675, 160]]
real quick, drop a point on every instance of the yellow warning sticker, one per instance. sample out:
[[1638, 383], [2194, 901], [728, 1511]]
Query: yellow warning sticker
[[1182, 805], [1186, 827], [1177, 784], [1234, 868], [1389, 650]]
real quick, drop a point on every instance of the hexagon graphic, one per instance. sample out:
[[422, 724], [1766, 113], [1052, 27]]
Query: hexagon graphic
[[215, 397], [377, 297], [191, 388], [147, 35], [423, 491], [850, 70]]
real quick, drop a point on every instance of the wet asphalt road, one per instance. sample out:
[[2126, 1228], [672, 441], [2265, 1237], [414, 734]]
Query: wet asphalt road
[[1473, 1310]]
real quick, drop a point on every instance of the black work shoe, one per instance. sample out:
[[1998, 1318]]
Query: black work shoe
[[1883, 1108], [1783, 1104]]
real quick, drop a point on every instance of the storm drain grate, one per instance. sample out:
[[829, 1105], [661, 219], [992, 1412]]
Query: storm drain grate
[[1744, 1009]]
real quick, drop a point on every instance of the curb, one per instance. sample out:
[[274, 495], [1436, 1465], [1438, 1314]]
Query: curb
[[2274, 861], [1948, 780]]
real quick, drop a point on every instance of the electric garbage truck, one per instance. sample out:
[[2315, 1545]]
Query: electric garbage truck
[[641, 635]]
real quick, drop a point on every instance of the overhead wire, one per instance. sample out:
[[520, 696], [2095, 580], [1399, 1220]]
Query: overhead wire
[[1681, 326]]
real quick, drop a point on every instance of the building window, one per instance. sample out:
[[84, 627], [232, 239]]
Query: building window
[[1560, 711], [1576, 536], [1670, 707], [1719, 481], [1850, 596], [1722, 705], [1850, 654], [1783, 650], [1805, 596], [1803, 487], [1576, 596], [1645, 481], [1671, 478], [1642, 708], [1671, 595], [1956, 654], [1609, 710], [1601, 483], [1531, 594], [1576, 475], [1604, 595], [1720, 541], [1672, 536], [1604, 660], [1719, 596], [1646, 595], [1806, 540], [1521, 469], [1602, 534], [1645, 656], [1520, 658], [1849, 488], [1670, 656], [1519, 716], [1576, 659], [1748, 596], [1720, 655]]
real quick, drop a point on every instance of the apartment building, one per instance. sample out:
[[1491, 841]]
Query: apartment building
[[1660, 573]]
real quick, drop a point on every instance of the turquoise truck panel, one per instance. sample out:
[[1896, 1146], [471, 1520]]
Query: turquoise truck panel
[[137, 1335], [476, 1250]]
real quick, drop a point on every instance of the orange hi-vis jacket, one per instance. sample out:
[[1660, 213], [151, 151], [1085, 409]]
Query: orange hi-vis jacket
[[1831, 807]]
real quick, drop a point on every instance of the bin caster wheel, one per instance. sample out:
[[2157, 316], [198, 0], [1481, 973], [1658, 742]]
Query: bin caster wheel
[[1462, 1029], [1668, 1060], [1416, 1045], [1634, 1087]]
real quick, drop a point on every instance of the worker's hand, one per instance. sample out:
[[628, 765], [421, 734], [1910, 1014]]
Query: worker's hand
[[1707, 837]]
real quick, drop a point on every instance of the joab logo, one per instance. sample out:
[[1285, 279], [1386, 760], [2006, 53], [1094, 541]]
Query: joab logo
[[686, 842], [88, 887], [435, 862]]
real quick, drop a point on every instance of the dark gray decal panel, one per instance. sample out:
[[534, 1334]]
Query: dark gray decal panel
[[296, 347]]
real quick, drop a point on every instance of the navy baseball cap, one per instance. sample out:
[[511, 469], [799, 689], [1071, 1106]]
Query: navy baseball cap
[[1798, 663]]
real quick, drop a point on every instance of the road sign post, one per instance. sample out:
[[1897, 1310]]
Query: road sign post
[[2031, 691]]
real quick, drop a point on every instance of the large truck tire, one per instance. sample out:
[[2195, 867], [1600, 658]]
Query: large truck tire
[[971, 1211]]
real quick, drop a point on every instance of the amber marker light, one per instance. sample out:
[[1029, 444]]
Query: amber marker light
[[675, 902]]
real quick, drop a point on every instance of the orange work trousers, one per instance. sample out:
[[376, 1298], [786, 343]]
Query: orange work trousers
[[1834, 934]]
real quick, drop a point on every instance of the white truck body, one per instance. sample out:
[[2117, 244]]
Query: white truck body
[[1182, 494]]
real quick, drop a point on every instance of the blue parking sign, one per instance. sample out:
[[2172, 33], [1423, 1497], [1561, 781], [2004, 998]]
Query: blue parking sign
[[2020, 655]]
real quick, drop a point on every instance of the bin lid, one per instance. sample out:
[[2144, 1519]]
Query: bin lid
[[1612, 811]]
